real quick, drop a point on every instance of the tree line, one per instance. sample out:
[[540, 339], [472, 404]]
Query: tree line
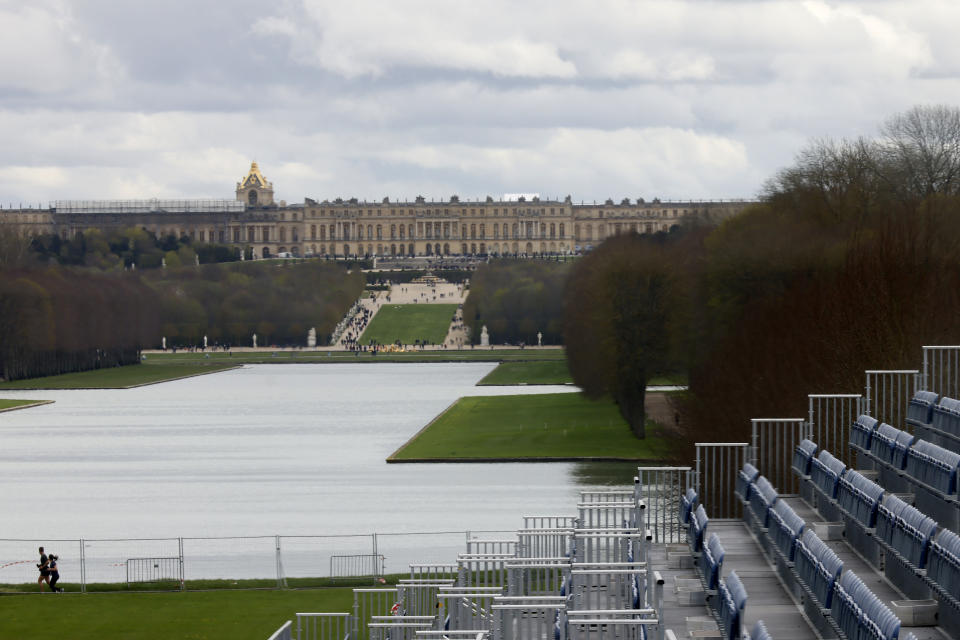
[[279, 301], [56, 321], [515, 300], [63, 319]]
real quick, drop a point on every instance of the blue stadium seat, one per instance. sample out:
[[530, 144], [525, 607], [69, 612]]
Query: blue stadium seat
[[733, 600], [712, 564], [826, 471], [861, 432], [860, 614], [859, 497], [912, 535], [688, 502], [803, 455], [698, 529], [934, 466], [818, 566], [785, 527], [946, 416], [920, 408], [943, 564], [760, 632], [889, 445], [762, 498], [887, 514], [745, 479]]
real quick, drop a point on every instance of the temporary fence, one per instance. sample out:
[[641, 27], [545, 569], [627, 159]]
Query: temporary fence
[[773, 441], [888, 394], [237, 561], [717, 464], [830, 417]]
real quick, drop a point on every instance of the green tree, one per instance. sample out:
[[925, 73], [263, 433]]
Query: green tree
[[620, 302]]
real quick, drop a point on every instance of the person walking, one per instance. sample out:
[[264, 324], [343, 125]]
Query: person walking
[[44, 571], [54, 574]]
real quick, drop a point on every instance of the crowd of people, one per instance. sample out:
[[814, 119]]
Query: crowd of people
[[355, 327]]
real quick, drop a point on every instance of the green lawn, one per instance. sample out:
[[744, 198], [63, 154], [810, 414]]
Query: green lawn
[[543, 372], [116, 377], [558, 425], [194, 615], [410, 322], [11, 404], [552, 372]]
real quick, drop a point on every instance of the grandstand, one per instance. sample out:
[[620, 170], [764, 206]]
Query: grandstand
[[854, 537]]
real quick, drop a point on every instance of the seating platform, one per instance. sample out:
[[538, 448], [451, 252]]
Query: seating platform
[[865, 552]]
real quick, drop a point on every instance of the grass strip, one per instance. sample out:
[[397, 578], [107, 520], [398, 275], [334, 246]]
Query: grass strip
[[210, 615], [117, 377], [552, 372], [545, 426], [408, 323], [281, 356], [537, 372], [9, 405]]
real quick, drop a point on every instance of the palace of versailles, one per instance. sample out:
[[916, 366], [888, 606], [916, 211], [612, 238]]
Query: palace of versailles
[[514, 225]]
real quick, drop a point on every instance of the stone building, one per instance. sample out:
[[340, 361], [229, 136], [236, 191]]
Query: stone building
[[515, 225]]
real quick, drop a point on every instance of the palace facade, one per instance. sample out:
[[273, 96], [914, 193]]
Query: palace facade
[[351, 227]]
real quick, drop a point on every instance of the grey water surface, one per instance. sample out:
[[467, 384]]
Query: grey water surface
[[267, 449]]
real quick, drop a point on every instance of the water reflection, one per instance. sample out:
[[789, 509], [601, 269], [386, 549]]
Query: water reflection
[[605, 474]]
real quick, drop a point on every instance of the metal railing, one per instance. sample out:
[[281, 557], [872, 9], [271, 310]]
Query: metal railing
[[773, 441], [888, 393], [660, 489], [357, 566], [830, 417], [941, 370], [316, 626], [285, 632], [717, 465]]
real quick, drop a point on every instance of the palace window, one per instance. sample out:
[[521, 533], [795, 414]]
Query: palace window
[[313, 232]]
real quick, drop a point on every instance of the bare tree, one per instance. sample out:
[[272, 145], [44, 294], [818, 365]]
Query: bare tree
[[14, 246], [921, 150]]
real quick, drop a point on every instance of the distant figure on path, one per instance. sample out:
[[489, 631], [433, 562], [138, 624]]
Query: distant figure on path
[[44, 571]]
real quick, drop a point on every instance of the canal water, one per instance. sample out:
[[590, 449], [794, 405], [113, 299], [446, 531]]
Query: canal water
[[265, 450]]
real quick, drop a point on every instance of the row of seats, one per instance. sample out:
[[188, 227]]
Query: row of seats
[[923, 461], [857, 612], [860, 614], [818, 566], [786, 527], [927, 409], [901, 527], [732, 594]]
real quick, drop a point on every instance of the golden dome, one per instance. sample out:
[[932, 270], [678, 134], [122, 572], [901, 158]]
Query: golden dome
[[254, 178]]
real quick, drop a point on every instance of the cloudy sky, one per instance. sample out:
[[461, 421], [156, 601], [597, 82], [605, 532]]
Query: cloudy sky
[[372, 98]]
